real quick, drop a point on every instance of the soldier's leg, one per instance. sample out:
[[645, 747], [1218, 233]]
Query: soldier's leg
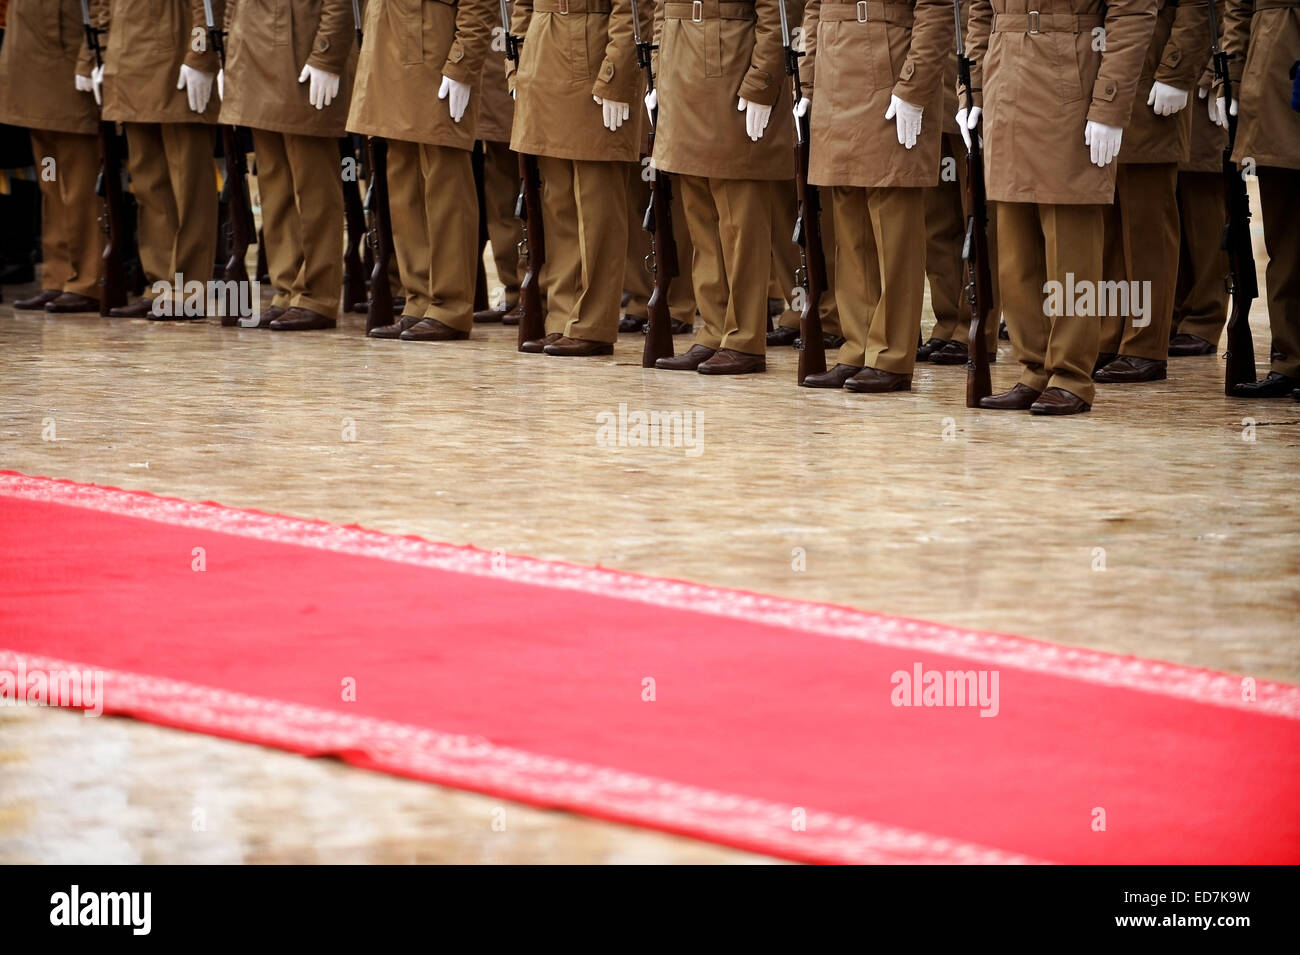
[[636, 278], [857, 280], [280, 227], [1117, 263], [744, 209], [501, 188], [78, 164], [1279, 197], [318, 194], [708, 280], [1022, 270], [785, 251], [451, 210], [56, 221], [1072, 245], [1150, 218], [189, 148], [681, 294], [600, 195], [945, 230], [1202, 308], [562, 274], [896, 249], [157, 218], [411, 230]]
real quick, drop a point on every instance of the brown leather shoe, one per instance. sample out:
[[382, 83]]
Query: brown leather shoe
[[302, 320], [874, 381], [37, 302], [489, 316], [632, 323], [783, 336], [432, 330], [688, 361], [1184, 345], [512, 317], [578, 348], [394, 330], [728, 361], [1276, 385], [538, 345], [834, 378], [141, 308], [1103, 359], [1018, 398], [1058, 401], [923, 352], [1128, 369], [952, 353], [263, 321], [70, 302]]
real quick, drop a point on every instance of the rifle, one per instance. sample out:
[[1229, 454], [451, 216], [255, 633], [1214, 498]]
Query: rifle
[[113, 281], [528, 208], [240, 220], [478, 160], [975, 248], [662, 260], [811, 276], [1241, 280], [354, 272], [379, 310]]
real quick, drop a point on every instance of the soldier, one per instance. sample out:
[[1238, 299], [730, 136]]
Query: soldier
[[1057, 107], [288, 77], [786, 262], [577, 118], [415, 93], [44, 87], [1201, 300], [496, 114], [1263, 38], [1142, 226], [879, 67], [721, 75]]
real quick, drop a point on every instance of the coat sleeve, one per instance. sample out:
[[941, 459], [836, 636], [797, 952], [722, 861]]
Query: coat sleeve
[[932, 36], [1129, 25], [618, 78], [469, 47], [1234, 21], [762, 82], [198, 53], [808, 70], [100, 16], [521, 15], [335, 36], [1188, 45], [979, 24]]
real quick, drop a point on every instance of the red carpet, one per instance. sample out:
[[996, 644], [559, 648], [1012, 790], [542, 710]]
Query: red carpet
[[772, 726]]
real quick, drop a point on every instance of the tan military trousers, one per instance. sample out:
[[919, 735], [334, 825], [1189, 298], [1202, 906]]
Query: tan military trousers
[[174, 180], [638, 283], [501, 190], [434, 207], [1142, 246], [72, 242], [584, 209], [302, 219], [730, 222], [1279, 198], [1201, 302], [785, 263], [1042, 243], [879, 274], [945, 233]]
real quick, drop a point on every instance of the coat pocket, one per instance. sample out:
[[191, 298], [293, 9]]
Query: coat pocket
[[876, 36], [404, 21], [1064, 49]]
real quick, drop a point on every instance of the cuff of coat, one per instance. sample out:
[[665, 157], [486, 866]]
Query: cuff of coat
[[85, 62], [1236, 66], [613, 84], [328, 56], [976, 96], [203, 62], [1176, 69], [1104, 109], [760, 87], [454, 66]]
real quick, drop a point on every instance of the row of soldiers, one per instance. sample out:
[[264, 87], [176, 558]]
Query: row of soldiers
[[1100, 124]]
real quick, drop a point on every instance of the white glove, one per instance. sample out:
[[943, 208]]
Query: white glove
[[908, 119], [1166, 100], [756, 117], [324, 86], [1218, 114], [1103, 140], [97, 84], [197, 86], [456, 94], [968, 121], [221, 83], [84, 84], [801, 107], [615, 113], [651, 103]]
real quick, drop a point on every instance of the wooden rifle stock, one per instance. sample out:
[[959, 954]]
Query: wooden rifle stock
[[113, 281], [354, 272], [975, 248], [379, 312], [240, 219], [532, 249]]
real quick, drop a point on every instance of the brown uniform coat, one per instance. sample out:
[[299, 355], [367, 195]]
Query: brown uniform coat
[[148, 42], [568, 58], [496, 107], [859, 66], [703, 68], [268, 44], [1263, 37], [1176, 56], [1043, 88], [38, 62], [407, 48], [1208, 139]]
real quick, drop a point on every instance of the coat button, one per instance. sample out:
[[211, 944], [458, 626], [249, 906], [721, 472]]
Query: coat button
[[457, 56], [1174, 56], [907, 71], [322, 45]]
